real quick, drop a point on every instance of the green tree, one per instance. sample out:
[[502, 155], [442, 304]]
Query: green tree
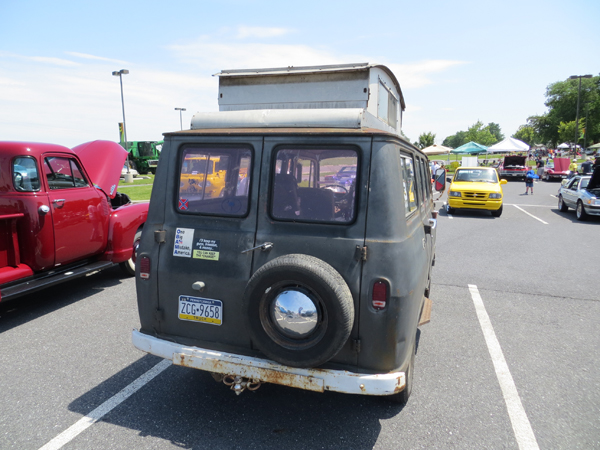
[[480, 134], [456, 140], [425, 140], [494, 128], [561, 101], [566, 130], [527, 134]]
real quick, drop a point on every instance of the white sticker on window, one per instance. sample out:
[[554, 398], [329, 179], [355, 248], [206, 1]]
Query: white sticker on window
[[184, 238]]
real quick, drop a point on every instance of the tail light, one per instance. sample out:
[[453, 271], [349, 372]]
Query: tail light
[[379, 295], [144, 263]]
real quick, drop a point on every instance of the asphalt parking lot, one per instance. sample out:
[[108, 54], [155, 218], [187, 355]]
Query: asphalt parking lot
[[509, 360]]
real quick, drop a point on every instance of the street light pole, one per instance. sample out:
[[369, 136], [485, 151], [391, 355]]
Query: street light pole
[[573, 77], [120, 73], [180, 120]]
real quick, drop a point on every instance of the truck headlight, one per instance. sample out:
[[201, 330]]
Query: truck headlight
[[495, 195], [454, 194]]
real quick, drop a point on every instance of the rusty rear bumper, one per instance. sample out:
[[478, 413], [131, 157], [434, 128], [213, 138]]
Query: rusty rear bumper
[[267, 371]]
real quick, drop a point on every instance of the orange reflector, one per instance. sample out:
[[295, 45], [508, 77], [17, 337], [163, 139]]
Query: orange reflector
[[380, 293]]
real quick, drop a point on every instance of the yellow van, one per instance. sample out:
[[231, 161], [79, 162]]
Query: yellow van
[[200, 175]]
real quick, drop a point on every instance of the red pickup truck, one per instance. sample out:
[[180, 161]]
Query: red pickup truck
[[61, 216]]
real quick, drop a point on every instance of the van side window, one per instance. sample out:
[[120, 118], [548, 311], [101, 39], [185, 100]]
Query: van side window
[[215, 181], [63, 173], [408, 179], [25, 174], [314, 185]]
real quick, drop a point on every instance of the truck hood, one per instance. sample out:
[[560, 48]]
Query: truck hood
[[595, 180], [103, 161], [561, 164]]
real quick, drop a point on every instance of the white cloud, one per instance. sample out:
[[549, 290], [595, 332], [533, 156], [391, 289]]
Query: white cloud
[[260, 32], [416, 75], [95, 58]]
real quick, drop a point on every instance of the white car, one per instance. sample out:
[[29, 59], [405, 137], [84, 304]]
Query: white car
[[124, 171], [582, 193]]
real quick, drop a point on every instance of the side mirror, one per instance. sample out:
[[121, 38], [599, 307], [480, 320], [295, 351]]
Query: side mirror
[[440, 180], [503, 181]]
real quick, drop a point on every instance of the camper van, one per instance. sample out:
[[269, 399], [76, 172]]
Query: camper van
[[312, 266]]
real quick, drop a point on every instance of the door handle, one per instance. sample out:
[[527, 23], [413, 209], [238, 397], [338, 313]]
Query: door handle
[[430, 225], [59, 200], [264, 247]]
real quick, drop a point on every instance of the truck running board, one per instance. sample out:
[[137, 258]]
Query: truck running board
[[52, 278]]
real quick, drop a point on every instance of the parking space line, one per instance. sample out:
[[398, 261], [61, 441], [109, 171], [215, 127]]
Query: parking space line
[[536, 218], [518, 418], [95, 415]]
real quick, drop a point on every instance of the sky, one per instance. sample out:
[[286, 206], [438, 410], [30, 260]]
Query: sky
[[457, 62]]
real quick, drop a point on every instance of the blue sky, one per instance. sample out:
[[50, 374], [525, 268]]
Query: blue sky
[[457, 62]]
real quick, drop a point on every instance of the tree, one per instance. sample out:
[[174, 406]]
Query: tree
[[561, 101], [496, 131], [566, 130], [488, 135], [480, 134], [425, 140], [456, 140], [527, 134]]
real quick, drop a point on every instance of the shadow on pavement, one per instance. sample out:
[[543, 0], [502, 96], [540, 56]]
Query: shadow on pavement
[[33, 306], [188, 408]]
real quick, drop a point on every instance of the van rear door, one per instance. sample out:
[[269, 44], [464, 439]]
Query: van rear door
[[313, 201], [202, 270]]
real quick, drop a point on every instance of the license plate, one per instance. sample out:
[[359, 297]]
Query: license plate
[[197, 309]]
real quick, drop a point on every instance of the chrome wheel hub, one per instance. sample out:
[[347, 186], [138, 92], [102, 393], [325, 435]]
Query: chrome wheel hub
[[294, 314]]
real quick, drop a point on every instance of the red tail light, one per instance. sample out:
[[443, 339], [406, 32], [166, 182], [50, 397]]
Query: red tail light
[[380, 294], [144, 263]]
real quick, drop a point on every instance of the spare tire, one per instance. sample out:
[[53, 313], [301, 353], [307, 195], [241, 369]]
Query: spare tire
[[299, 310]]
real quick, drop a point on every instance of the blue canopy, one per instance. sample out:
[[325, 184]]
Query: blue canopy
[[470, 148]]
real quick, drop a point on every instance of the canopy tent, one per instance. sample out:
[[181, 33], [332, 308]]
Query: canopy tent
[[568, 145], [470, 148], [595, 145], [509, 145], [436, 150]]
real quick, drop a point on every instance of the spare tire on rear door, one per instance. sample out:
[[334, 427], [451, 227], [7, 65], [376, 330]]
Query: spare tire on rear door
[[299, 310]]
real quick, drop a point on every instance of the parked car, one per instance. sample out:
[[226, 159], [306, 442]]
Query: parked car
[[557, 169], [281, 279], [475, 188], [131, 170], [582, 193], [513, 166], [61, 216]]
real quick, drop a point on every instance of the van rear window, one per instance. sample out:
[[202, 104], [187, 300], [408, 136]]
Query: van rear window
[[314, 185], [214, 181]]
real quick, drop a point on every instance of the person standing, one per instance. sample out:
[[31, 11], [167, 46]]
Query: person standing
[[586, 167], [573, 168], [540, 167], [529, 177]]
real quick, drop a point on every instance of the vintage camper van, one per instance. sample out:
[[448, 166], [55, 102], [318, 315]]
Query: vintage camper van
[[312, 268]]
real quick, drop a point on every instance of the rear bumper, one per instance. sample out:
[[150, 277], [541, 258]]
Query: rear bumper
[[318, 380]]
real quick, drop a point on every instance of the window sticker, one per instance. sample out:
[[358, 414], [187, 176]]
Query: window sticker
[[183, 204], [206, 249], [184, 238]]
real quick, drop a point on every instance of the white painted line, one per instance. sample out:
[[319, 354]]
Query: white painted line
[[518, 418], [536, 218], [527, 204], [93, 417], [552, 195]]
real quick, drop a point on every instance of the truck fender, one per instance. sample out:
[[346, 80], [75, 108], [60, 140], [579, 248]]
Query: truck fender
[[123, 224]]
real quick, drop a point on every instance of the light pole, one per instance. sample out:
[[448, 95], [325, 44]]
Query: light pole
[[120, 73], [574, 77], [180, 110]]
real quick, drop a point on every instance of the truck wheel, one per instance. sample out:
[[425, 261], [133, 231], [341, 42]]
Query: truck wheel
[[299, 310], [402, 397], [129, 266], [497, 213]]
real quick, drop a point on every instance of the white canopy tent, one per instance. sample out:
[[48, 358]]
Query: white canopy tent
[[509, 145]]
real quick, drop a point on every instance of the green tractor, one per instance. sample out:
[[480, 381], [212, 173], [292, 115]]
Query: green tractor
[[144, 155]]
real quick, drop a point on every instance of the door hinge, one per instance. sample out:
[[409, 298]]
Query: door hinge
[[356, 345], [361, 253], [160, 236]]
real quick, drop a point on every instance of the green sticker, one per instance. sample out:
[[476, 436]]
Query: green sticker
[[206, 249]]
